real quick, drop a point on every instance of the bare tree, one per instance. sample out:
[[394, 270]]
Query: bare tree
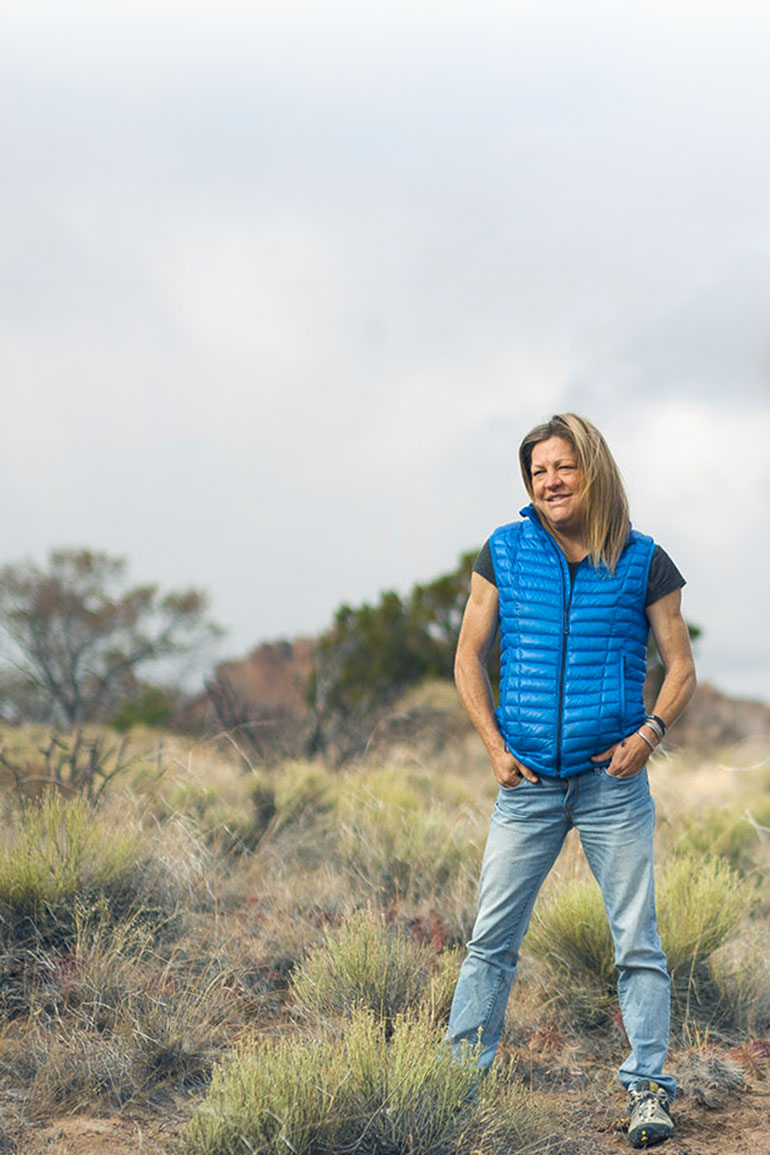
[[77, 638]]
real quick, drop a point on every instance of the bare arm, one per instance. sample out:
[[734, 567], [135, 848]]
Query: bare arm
[[673, 641], [477, 634]]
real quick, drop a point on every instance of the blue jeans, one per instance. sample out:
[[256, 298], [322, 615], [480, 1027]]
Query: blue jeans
[[615, 818]]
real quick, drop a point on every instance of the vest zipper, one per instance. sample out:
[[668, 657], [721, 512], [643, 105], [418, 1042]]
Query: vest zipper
[[567, 602]]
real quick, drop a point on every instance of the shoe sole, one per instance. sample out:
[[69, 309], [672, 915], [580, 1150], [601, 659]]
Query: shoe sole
[[648, 1137]]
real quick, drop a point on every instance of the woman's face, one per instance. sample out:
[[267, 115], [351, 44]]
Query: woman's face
[[557, 484]]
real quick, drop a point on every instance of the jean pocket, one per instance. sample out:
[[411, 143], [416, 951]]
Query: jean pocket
[[510, 789], [625, 778]]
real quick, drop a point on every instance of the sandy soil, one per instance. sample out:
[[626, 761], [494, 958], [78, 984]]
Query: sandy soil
[[740, 1126], [591, 1123], [106, 1135]]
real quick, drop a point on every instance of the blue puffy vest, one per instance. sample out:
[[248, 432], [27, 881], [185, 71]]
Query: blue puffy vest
[[573, 655]]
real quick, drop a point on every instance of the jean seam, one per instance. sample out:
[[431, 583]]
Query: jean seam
[[500, 979]]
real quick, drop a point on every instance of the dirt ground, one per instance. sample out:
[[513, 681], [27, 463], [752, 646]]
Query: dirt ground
[[590, 1123], [116, 1134], [739, 1126]]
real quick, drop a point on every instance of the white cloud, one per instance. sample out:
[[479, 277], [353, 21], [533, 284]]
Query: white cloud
[[699, 477], [268, 297], [284, 285]]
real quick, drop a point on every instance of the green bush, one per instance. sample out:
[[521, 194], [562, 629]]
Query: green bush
[[367, 964], [303, 792], [153, 707], [408, 849], [360, 1094], [732, 836], [230, 825], [701, 904], [65, 862], [570, 935]]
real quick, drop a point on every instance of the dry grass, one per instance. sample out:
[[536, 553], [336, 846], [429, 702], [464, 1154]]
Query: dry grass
[[702, 904], [708, 1076], [364, 1093], [211, 921], [370, 963]]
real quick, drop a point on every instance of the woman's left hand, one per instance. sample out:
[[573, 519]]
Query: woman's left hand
[[626, 758]]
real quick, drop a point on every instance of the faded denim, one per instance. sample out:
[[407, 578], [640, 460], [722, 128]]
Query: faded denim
[[615, 818]]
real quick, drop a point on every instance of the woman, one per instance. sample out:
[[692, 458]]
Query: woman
[[574, 591]]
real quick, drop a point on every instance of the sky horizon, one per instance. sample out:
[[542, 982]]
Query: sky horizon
[[284, 287]]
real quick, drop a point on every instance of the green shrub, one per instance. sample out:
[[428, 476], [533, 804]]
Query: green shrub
[[732, 836], [410, 850], [359, 1093], [570, 935], [66, 861], [701, 903], [365, 964], [153, 707], [739, 984], [303, 791], [227, 824]]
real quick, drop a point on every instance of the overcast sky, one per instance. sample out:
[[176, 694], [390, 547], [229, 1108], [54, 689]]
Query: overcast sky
[[283, 285]]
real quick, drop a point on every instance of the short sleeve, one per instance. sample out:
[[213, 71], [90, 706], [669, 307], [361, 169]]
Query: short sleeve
[[484, 565], [664, 577]]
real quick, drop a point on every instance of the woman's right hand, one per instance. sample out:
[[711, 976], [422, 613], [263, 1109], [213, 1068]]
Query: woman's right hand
[[508, 770]]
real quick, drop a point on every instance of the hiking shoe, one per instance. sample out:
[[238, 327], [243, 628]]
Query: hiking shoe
[[651, 1120]]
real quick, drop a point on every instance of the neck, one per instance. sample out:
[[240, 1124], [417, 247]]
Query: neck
[[571, 542], [572, 545]]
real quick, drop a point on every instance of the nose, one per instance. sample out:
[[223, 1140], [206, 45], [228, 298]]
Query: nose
[[552, 479]]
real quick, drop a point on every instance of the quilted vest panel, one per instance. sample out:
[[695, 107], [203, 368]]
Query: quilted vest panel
[[573, 655]]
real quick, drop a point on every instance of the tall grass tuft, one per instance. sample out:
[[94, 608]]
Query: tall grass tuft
[[66, 862], [114, 1021], [360, 1094], [408, 847], [367, 964], [701, 904], [570, 935]]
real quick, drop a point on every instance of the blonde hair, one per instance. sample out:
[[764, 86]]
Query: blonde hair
[[604, 495]]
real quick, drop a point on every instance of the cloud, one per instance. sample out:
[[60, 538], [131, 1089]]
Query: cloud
[[711, 345], [266, 296], [283, 286], [698, 477]]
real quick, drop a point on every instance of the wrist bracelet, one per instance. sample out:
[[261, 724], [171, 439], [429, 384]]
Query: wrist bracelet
[[657, 718], [657, 731], [646, 739]]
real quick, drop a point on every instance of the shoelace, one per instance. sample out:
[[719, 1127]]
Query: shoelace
[[646, 1103]]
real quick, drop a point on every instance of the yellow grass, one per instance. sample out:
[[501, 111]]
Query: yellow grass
[[123, 1001]]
